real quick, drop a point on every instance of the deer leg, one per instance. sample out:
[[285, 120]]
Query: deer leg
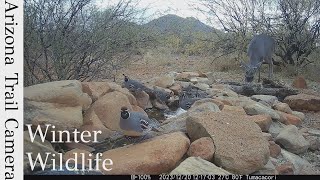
[[259, 74], [270, 69]]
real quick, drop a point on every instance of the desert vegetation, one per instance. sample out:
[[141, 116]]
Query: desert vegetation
[[117, 70], [75, 39]]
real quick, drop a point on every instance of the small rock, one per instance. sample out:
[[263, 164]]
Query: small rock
[[203, 148], [263, 121], [202, 86], [314, 142], [287, 119], [204, 107], [314, 132], [285, 169], [164, 81], [300, 82], [183, 84], [221, 92], [236, 101], [159, 105], [268, 169], [174, 124], [268, 136], [258, 108], [186, 76], [275, 128], [142, 99], [265, 98], [292, 140], [299, 115], [283, 107], [176, 88], [154, 156], [196, 80], [301, 166], [198, 166], [303, 102], [275, 149], [205, 100]]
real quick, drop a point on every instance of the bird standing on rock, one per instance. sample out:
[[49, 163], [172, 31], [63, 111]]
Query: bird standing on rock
[[135, 123], [133, 85]]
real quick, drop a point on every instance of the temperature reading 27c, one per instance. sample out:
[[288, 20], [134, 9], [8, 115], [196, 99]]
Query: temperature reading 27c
[[140, 177]]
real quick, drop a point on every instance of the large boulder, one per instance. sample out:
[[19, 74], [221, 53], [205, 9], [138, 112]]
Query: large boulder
[[37, 149], [234, 109], [198, 166], [292, 140], [154, 156], [62, 117], [96, 89], [108, 108], [240, 145], [303, 102], [67, 93], [92, 123]]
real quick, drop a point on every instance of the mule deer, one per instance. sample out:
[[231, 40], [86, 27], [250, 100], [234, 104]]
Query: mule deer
[[261, 49]]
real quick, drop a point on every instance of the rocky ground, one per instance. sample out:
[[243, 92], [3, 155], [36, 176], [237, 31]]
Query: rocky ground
[[145, 70], [224, 133]]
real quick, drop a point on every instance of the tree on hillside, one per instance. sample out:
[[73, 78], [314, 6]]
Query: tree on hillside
[[72, 39], [294, 24]]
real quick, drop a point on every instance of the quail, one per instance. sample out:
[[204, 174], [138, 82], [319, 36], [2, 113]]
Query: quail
[[186, 102], [135, 124], [162, 95], [133, 85]]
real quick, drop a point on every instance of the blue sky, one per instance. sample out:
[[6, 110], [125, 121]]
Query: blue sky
[[157, 8]]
